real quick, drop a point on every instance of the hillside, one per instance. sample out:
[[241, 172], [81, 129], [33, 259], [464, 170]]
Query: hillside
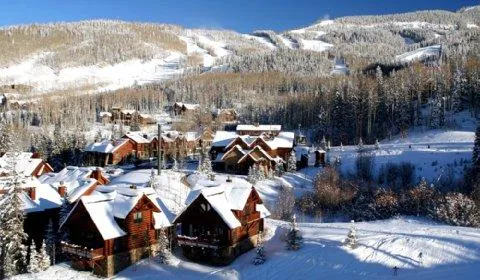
[[93, 56], [446, 252]]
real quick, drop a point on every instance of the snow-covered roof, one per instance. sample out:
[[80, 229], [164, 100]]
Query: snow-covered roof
[[128, 111], [137, 138], [105, 114], [263, 210], [284, 139], [223, 198], [105, 146], [46, 197], [110, 202], [261, 127], [190, 106], [77, 180], [23, 162]]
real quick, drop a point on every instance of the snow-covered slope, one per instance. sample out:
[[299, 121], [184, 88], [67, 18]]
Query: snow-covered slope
[[446, 253], [419, 54]]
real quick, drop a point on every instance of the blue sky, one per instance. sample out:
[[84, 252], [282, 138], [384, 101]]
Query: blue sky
[[243, 16]]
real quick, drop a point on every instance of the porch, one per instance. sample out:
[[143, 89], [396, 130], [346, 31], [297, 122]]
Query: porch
[[82, 252]]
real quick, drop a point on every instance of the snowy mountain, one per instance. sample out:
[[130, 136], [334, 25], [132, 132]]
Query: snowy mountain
[[94, 56]]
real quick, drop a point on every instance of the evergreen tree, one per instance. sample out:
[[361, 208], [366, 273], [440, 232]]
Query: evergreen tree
[[12, 235], [292, 162], [252, 175], [6, 141], [351, 240], [259, 251], [44, 260], [377, 144], [294, 236], [33, 265], [64, 212], [360, 144], [260, 173], [51, 240], [458, 90], [163, 245]]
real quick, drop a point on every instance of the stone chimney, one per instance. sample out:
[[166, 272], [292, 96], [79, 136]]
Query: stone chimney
[[96, 174]]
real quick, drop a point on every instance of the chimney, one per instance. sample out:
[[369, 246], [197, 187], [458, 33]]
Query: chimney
[[62, 189], [96, 174], [32, 193]]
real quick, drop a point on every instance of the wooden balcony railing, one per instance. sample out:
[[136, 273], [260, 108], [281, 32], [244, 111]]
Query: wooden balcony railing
[[82, 252], [198, 242]]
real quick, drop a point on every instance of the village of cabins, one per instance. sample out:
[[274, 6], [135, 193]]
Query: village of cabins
[[111, 226]]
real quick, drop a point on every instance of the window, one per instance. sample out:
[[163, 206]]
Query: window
[[137, 217], [205, 207]]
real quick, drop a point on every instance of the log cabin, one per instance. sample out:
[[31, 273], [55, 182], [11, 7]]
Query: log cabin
[[109, 152], [180, 108], [264, 146], [221, 222], [114, 228]]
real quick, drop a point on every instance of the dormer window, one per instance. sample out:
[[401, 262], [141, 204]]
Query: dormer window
[[137, 217], [205, 207]]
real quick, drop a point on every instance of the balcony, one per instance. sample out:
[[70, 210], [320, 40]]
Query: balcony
[[184, 240], [82, 252]]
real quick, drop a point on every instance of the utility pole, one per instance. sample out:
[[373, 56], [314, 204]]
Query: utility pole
[[160, 155]]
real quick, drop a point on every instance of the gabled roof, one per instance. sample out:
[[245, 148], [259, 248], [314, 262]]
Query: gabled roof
[[106, 146], [226, 139], [112, 202], [250, 154], [77, 180], [235, 148], [137, 138], [23, 162], [223, 198]]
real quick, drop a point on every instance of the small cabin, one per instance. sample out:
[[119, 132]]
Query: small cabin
[[108, 232], [221, 222]]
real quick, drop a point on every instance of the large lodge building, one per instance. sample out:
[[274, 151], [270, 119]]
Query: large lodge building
[[263, 145]]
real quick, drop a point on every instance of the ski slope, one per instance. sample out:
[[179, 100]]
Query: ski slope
[[419, 54], [447, 252]]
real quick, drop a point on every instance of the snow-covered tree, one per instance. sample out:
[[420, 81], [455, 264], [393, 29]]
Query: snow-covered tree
[[51, 240], [323, 143], [292, 162], [12, 236], [163, 254], [294, 236], [351, 240], [64, 211], [476, 148], [44, 260], [360, 143], [33, 265], [377, 144], [458, 89], [6, 141], [259, 251], [252, 174]]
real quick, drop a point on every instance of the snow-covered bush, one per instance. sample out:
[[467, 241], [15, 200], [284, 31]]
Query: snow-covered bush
[[163, 252], [292, 162], [457, 209], [294, 236], [351, 240], [260, 257], [284, 207]]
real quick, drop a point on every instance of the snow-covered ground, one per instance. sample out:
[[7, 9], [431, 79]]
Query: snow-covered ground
[[447, 252], [421, 53], [315, 45]]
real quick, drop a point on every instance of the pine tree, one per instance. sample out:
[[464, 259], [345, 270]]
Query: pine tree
[[377, 145], [260, 174], [260, 251], [163, 245], [64, 212], [294, 236], [252, 175], [458, 90], [292, 162], [360, 144], [207, 165], [12, 235], [6, 141], [33, 265], [351, 240], [44, 260], [51, 240]]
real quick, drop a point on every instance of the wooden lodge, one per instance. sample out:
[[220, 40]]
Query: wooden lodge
[[110, 231], [109, 152], [221, 223], [182, 109], [265, 146]]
